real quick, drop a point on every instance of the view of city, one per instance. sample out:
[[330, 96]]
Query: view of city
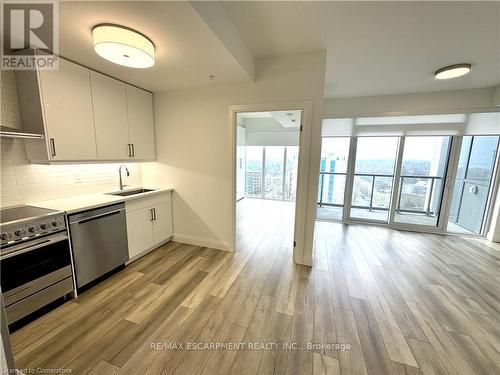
[[271, 172], [423, 166]]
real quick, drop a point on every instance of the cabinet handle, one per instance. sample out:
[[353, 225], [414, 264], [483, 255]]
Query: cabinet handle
[[154, 213], [129, 150], [52, 147], [133, 150], [151, 218]]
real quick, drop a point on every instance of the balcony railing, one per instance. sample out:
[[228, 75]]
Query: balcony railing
[[428, 201], [432, 190]]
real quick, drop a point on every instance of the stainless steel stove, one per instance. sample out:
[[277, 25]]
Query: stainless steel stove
[[24, 222], [35, 259]]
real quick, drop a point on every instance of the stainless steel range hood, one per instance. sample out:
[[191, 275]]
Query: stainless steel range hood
[[7, 132]]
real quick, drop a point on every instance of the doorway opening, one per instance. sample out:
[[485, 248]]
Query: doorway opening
[[266, 165]]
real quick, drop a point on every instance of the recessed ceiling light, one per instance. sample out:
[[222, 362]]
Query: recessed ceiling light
[[452, 71], [123, 46]]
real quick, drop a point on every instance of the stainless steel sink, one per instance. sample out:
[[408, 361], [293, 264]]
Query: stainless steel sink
[[126, 193]]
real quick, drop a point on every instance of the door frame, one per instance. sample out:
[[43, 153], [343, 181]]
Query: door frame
[[302, 251]]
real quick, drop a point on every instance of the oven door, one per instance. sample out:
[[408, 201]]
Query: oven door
[[29, 267]]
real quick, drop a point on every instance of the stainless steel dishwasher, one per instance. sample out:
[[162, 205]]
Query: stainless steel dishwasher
[[99, 241]]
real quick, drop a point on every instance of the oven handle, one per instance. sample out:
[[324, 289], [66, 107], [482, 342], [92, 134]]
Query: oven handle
[[24, 248]]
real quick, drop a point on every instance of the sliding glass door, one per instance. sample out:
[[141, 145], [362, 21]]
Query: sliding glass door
[[373, 178], [421, 180], [472, 184], [425, 183]]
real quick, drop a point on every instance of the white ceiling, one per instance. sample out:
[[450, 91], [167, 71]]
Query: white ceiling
[[376, 48], [270, 120], [373, 48], [187, 52]]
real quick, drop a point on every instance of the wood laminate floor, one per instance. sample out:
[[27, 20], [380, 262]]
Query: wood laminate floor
[[393, 303]]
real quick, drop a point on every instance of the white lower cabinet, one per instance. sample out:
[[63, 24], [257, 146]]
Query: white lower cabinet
[[139, 232], [149, 223], [162, 223]]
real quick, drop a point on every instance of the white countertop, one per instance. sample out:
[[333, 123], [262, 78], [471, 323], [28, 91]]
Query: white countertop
[[79, 203]]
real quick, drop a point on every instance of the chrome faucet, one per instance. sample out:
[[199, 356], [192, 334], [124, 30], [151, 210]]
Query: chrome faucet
[[120, 174]]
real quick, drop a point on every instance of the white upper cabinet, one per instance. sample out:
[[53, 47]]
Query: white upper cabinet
[[67, 112], [84, 116], [110, 117], [140, 121]]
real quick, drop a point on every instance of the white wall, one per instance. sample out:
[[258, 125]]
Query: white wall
[[409, 103], [241, 142], [199, 118], [22, 182]]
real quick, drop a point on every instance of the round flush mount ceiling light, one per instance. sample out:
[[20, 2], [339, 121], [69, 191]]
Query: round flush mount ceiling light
[[123, 46], [452, 71]]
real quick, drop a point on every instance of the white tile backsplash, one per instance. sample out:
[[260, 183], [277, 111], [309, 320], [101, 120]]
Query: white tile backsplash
[[22, 182]]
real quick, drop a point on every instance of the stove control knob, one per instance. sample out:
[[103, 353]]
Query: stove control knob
[[20, 232], [32, 229], [44, 226], [6, 236], [56, 224]]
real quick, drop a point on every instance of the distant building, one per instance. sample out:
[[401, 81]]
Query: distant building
[[253, 186]]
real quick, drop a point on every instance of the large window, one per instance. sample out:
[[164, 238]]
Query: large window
[[421, 182], [271, 172], [273, 176], [332, 179], [403, 177], [253, 173], [373, 177], [292, 166]]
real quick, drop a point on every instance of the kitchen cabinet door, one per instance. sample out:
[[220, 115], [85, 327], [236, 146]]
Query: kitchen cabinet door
[[67, 108], [140, 121], [162, 225], [110, 116], [139, 231]]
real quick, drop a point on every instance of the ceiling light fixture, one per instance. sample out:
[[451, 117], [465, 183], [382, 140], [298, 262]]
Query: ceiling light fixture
[[452, 71], [123, 46]]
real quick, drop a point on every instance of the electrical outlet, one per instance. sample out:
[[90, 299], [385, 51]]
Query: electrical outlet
[[76, 178]]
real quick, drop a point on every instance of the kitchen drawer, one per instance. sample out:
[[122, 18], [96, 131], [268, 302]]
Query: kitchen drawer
[[36, 301], [148, 201]]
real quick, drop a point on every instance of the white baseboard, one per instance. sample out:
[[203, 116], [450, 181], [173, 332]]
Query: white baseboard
[[493, 238], [201, 241]]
